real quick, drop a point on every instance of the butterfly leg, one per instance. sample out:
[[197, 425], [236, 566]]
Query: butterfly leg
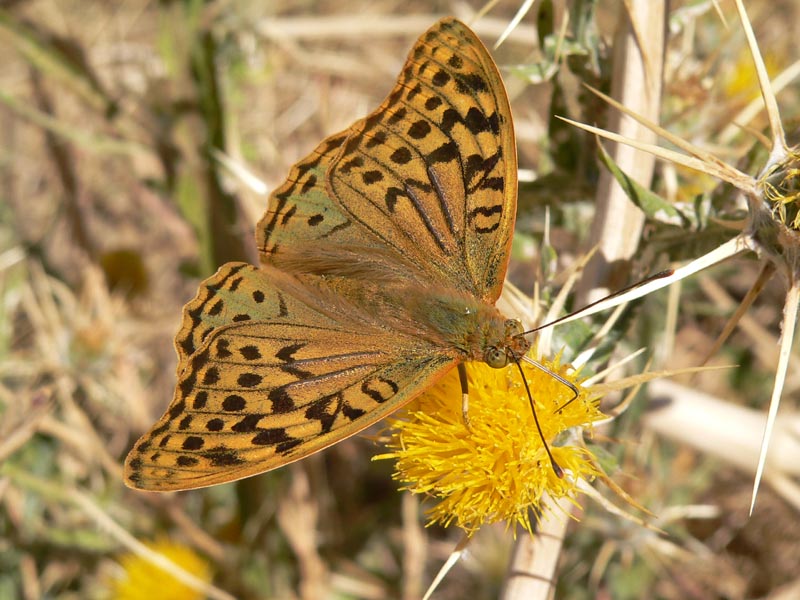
[[462, 376]]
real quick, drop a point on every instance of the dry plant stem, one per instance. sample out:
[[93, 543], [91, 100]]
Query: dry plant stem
[[735, 437], [31, 587], [451, 561], [788, 256], [789, 325], [362, 26], [298, 518], [16, 433], [414, 548], [201, 539], [64, 162], [770, 102], [533, 563], [763, 342], [790, 591], [637, 83]]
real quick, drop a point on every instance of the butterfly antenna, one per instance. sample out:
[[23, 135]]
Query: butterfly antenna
[[557, 377], [575, 314], [558, 470]]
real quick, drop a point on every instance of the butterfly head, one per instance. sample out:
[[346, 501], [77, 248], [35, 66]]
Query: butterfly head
[[510, 349]]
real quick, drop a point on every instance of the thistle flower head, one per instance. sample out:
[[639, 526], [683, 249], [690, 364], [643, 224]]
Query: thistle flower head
[[781, 189], [496, 469]]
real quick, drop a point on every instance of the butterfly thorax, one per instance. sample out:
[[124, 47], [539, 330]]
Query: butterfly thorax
[[470, 328]]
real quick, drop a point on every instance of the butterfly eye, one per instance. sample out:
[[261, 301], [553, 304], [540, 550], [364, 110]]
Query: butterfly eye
[[513, 327], [495, 357]]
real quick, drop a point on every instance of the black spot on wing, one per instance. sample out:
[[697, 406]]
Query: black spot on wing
[[401, 156], [249, 380], [413, 92], [233, 403], [372, 177], [376, 140], [200, 400], [493, 183], [216, 308], [380, 389], [211, 376], [325, 410], [177, 409], [286, 355], [271, 437], [455, 61], [288, 214], [447, 152], [250, 352], [440, 78], [222, 456], [281, 401], [470, 83], [397, 116], [247, 425], [285, 447], [222, 348], [481, 218], [433, 103], [309, 184], [351, 164], [193, 442], [476, 121], [419, 129], [215, 425], [392, 195]]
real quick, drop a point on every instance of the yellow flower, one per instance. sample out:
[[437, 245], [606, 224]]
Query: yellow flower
[[497, 469], [781, 185], [740, 78], [142, 580]]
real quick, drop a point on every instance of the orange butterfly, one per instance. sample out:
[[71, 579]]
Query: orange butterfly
[[382, 256]]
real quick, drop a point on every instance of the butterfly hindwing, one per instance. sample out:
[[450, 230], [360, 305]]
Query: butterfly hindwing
[[301, 211], [262, 391]]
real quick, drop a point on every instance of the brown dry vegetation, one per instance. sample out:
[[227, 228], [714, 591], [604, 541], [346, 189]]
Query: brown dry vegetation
[[112, 207]]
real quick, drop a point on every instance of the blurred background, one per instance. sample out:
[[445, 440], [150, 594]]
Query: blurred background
[[113, 206]]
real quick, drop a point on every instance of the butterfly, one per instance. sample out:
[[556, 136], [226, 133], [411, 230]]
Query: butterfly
[[382, 256]]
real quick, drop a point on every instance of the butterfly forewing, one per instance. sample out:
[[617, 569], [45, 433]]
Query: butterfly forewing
[[432, 172], [256, 394], [430, 176]]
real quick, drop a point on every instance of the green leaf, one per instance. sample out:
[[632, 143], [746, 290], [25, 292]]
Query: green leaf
[[649, 202]]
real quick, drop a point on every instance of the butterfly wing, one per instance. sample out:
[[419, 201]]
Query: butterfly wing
[[430, 176], [271, 370], [265, 379]]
